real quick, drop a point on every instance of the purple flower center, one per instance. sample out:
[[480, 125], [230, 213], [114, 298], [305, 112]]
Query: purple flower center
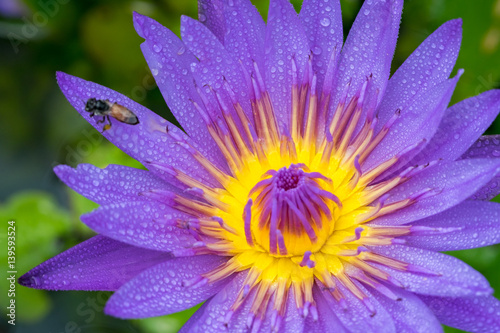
[[291, 204], [288, 178]]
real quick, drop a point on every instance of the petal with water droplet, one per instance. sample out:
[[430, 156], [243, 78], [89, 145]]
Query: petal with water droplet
[[99, 263], [160, 290]]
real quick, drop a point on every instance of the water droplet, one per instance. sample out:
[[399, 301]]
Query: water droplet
[[35, 280], [325, 21], [316, 50], [154, 71], [157, 48]]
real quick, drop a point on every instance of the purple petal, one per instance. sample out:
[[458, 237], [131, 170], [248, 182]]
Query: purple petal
[[444, 276], [409, 313], [322, 22], [357, 317], [487, 146], [416, 124], [368, 50], [210, 317], [141, 224], [191, 324], [239, 320], [215, 66], [146, 141], [293, 320], [452, 183], [246, 34], [170, 62], [429, 65], [115, 183], [471, 314], [480, 223], [14, 9], [99, 263], [327, 320], [159, 290], [285, 40], [456, 132], [211, 14]]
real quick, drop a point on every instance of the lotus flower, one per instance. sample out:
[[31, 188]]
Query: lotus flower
[[309, 192]]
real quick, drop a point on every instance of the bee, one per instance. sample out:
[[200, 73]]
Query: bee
[[104, 108]]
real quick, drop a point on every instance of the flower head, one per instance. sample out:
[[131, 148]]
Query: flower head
[[310, 193]]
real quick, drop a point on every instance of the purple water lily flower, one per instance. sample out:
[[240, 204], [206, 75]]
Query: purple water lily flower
[[309, 192]]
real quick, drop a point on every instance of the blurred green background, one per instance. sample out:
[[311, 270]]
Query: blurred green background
[[95, 40]]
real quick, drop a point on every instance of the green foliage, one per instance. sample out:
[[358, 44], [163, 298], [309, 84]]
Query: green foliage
[[166, 324], [40, 224]]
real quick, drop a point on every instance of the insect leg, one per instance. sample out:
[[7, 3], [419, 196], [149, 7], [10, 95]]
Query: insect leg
[[108, 125]]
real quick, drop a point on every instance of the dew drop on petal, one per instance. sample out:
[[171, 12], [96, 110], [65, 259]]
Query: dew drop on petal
[[157, 48], [316, 50], [325, 22], [35, 281]]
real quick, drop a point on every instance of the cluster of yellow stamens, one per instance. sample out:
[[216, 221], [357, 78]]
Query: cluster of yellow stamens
[[295, 205]]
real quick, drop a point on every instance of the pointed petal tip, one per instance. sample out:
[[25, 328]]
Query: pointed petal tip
[[138, 17], [26, 280], [61, 77], [111, 310], [138, 20], [67, 82], [32, 279], [452, 28], [457, 23], [114, 310], [60, 169]]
